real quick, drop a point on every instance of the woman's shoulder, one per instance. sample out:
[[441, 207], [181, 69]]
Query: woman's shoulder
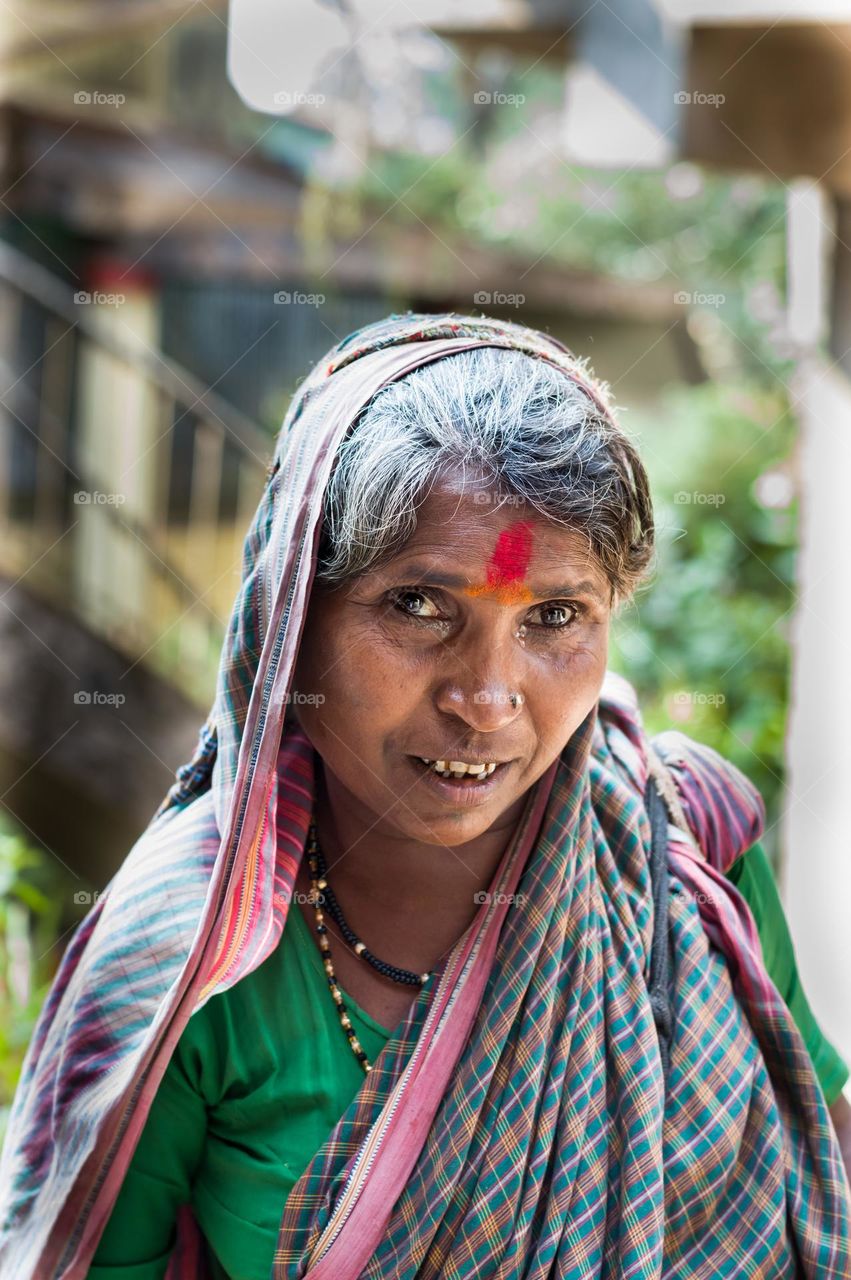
[[723, 808]]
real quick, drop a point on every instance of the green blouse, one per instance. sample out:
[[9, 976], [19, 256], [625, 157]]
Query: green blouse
[[262, 1073]]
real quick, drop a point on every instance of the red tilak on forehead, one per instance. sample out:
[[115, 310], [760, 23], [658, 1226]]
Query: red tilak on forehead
[[511, 555], [508, 564]]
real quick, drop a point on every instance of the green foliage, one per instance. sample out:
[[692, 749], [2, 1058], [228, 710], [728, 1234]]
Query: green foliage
[[706, 643], [33, 894]]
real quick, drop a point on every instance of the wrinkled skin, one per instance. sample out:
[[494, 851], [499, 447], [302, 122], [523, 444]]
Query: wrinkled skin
[[404, 667]]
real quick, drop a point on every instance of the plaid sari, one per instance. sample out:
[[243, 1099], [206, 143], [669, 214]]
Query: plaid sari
[[517, 1122]]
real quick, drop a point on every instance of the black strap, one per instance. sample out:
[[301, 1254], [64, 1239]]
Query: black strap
[[659, 981]]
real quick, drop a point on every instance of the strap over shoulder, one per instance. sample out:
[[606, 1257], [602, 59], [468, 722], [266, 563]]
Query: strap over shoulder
[[662, 776], [719, 810], [722, 809]]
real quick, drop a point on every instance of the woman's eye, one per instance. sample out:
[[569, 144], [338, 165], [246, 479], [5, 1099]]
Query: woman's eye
[[400, 597], [558, 615]]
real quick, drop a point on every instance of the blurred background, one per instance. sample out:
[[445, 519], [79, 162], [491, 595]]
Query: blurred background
[[196, 204]]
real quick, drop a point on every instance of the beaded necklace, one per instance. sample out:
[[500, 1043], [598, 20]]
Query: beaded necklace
[[320, 892]]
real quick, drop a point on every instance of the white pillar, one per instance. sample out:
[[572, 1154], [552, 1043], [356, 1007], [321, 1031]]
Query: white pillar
[[816, 879], [118, 423]]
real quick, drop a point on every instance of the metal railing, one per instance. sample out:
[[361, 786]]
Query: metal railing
[[126, 486]]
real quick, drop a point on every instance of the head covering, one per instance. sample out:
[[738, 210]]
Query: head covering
[[517, 1122]]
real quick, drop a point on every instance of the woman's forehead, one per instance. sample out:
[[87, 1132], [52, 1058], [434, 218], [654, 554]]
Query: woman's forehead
[[514, 550], [491, 523]]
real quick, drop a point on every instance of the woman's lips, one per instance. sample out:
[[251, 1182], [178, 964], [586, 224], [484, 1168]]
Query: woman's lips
[[467, 790]]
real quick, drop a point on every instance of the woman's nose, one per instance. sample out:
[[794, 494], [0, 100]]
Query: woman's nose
[[484, 702], [483, 709], [482, 677]]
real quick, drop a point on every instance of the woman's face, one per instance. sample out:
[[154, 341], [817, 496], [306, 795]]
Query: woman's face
[[419, 658]]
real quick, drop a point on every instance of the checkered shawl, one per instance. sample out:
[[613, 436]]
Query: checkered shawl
[[517, 1122]]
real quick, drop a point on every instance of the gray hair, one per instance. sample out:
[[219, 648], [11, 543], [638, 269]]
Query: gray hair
[[524, 427]]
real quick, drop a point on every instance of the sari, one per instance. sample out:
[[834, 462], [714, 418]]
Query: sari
[[518, 1121]]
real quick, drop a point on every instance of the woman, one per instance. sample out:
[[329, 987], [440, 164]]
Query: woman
[[447, 1063]]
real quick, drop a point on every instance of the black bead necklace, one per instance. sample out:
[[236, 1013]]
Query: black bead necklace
[[322, 894]]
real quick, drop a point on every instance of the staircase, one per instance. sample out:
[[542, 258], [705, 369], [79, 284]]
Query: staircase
[[126, 486]]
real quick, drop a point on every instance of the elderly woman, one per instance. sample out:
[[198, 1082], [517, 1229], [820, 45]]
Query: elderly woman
[[412, 974]]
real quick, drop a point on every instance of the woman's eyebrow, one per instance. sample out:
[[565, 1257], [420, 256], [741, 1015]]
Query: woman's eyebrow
[[439, 578]]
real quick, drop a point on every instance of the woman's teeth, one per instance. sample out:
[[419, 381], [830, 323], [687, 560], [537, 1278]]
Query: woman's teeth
[[458, 769]]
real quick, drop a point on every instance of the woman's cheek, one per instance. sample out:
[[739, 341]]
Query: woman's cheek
[[365, 674]]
